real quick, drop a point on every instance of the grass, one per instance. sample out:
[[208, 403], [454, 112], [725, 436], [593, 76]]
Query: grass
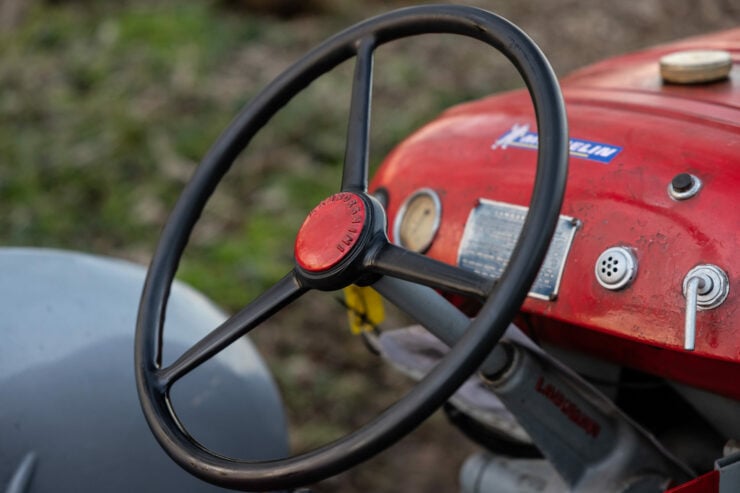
[[109, 110]]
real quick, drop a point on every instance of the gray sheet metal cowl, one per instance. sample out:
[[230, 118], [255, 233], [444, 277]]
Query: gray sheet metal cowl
[[67, 385]]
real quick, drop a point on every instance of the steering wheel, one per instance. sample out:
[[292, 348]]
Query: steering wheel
[[343, 241]]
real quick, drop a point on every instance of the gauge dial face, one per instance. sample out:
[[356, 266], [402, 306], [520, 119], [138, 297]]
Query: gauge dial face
[[418, 220]]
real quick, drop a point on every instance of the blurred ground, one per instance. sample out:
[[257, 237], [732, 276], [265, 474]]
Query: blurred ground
[[105, 110]]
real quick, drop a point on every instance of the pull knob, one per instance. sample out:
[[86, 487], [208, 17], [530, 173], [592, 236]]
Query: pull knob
[[705, 287]]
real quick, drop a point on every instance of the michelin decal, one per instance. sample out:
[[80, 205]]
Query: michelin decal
[[519, 136]]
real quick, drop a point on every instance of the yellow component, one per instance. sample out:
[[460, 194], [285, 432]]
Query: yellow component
[[364, 308]]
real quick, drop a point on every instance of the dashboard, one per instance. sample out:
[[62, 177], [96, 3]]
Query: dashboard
[[651, 202]]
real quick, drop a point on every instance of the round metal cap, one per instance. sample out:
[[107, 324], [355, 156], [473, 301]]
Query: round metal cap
[[330, 232], [695, 66], [616, 268]]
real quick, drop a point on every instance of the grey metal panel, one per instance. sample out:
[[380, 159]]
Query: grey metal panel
[[491, 232], [729, 473], [486, 473], [67, 391]]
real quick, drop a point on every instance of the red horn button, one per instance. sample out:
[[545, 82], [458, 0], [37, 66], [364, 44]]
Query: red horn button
[[330, 232]]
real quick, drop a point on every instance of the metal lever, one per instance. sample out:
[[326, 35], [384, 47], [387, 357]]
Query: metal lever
[[693, 287], [705, 287]]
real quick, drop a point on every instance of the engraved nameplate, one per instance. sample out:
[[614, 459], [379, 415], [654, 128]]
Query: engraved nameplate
[[489, 238]]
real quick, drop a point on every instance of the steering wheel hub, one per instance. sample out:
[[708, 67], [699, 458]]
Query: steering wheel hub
[[330, 232]]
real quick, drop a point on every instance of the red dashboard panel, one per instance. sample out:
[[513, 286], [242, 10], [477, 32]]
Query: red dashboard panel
[[630, 136]]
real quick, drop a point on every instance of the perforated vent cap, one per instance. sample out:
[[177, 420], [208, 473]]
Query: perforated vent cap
[[616, 268]]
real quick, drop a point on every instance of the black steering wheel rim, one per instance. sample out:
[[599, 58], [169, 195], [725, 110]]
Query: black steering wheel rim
[[153, 382]]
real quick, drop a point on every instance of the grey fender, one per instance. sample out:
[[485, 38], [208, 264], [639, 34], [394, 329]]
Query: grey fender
[[69, 415]]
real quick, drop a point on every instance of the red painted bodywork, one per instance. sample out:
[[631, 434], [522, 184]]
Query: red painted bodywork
[[663, 130], [706, 483]]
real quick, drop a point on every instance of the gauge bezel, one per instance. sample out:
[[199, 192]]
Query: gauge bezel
[[402, 214]]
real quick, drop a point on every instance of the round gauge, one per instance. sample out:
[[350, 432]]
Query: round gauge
[[418, 220]]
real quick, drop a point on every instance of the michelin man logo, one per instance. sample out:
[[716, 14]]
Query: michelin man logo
[[511, 137], [520, 137]]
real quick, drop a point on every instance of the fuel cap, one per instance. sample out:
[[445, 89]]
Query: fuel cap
[[695, 66]]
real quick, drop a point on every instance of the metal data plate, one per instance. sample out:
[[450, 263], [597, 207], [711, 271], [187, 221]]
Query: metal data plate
[[490, 234]]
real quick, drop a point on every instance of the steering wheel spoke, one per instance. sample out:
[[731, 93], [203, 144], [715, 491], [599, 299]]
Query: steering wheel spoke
[[397, 262], [356, 154], [263, 307]]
